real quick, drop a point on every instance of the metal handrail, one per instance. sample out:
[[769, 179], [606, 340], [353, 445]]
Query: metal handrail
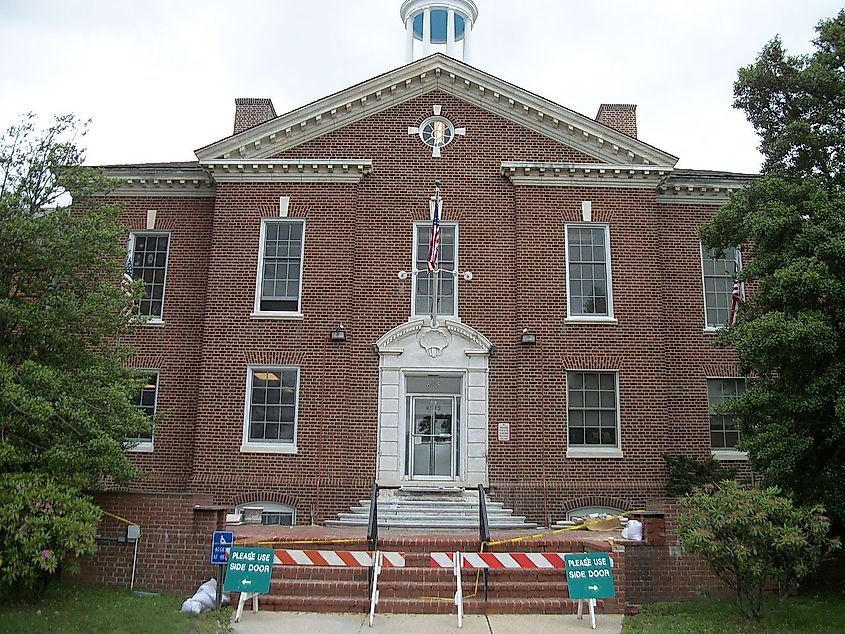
[[372, 533], [483, 528], [483, 520]]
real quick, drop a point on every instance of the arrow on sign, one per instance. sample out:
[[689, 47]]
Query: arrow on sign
[[246, 582], [593, 588]]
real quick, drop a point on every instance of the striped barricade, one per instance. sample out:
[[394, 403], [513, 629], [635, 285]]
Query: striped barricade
[[353, 558], [500, 561]]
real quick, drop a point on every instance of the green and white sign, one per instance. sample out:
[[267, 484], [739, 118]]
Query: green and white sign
[[589, 576], [249, 570]]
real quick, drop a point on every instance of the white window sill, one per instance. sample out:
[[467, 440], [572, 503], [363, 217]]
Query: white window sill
[[273, 315], [155, 323], [729, 454], [593, 452], [142, 447], [582, 319], [267, 448], [439, 317], [713, 331]]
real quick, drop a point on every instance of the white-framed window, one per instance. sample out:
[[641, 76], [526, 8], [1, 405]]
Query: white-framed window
[[272, 513], [589, 293], [592, 408], [724, 434], [149, 263], [146, 400], [279, 282], [423, 282], [272, 404], [718, 270], [594, 511]]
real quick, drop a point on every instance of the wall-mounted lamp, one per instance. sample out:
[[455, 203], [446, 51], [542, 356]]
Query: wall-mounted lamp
[[528, 337], [338, 334]]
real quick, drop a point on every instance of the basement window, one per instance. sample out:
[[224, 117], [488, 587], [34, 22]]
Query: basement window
[[272, 514]]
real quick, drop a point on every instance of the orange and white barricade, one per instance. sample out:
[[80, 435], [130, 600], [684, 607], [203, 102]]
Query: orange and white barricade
[[340, 558]]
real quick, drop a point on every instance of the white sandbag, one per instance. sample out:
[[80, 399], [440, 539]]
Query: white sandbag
[[192, 607], [633, 530], [204, 598]]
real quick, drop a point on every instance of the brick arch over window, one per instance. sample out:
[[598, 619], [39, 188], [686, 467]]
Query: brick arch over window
[[596, 500], [262, 495]]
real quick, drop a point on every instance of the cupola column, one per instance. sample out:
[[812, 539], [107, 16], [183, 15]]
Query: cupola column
[[426, 34], [467, 40], [409, 40], [450, 32]]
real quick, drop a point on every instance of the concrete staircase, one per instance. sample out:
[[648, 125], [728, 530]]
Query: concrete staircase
[[431, 508]]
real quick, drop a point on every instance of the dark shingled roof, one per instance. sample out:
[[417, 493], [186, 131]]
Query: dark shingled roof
[[151, 166]]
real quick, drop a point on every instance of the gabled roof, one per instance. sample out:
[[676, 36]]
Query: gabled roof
[[436, 72]]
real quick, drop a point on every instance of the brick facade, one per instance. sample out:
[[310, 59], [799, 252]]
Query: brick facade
[[358, 235]]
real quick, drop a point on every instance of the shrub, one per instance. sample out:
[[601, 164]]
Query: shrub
[[43, 524], [685, 474], [754, 539]]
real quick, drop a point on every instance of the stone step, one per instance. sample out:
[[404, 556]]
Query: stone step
[[389, 512], [419, 589], [508, 523], [431, 503], [396, 605]]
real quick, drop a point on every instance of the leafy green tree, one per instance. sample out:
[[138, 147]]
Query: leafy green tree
[[790, 333], [65, 391], [753, 538]]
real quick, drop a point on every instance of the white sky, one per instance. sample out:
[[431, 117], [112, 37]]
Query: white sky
[[159, 78]]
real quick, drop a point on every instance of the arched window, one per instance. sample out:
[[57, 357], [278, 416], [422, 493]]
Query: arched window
[[584, 511]]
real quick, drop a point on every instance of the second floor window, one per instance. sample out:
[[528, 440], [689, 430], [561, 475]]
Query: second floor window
[[149, 263], [280, 266], [718, 269], [588, 289], [447, 304], [145, 400], [724, 433]]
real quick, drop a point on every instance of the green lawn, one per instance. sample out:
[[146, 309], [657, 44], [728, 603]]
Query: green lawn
[[77, 609], [823, 613]]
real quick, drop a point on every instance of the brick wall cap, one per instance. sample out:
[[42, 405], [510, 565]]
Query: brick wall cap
[[210, 507]]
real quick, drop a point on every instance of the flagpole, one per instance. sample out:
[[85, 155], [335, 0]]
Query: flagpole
[[436, 273]]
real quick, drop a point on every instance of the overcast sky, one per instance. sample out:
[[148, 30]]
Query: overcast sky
[[159, 78]]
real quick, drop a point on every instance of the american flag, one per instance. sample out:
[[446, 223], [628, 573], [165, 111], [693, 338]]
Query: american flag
[[434, 240], [735, 297], [127, 267]]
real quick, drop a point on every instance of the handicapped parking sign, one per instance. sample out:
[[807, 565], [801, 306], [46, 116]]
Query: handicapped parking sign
[[221, 542], [589, 576]]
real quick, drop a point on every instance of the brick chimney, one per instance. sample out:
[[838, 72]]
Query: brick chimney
[[619, 116], [251, 112]]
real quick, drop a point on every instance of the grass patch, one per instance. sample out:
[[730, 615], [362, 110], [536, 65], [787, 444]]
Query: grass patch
[[75, 609], [822, 613]]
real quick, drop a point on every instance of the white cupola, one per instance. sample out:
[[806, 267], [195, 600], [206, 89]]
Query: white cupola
[[438, 26]]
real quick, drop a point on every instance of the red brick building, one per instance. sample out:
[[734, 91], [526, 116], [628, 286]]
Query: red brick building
[[293, 354]]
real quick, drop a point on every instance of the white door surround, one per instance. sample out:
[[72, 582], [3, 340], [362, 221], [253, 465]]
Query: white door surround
[[452, 350]]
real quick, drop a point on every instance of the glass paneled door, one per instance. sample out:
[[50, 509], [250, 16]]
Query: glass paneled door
[[433, 437]]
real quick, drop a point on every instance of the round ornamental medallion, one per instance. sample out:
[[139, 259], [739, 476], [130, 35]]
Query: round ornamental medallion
[[437, 131]]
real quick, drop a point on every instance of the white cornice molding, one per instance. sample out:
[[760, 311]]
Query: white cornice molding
[[522, 173], [685, 190], [160, 182], [437, 72], [289, 170]]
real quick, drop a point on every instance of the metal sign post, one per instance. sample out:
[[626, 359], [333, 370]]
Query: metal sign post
[[221, 542], [589, 576]]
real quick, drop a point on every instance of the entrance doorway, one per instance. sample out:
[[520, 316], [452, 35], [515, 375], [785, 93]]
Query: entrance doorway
[[434, 437]]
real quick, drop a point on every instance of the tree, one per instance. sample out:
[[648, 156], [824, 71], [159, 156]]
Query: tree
[[790, 333], [753, 538], [65, 391]]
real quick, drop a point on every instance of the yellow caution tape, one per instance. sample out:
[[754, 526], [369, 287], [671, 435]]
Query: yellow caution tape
[[122, 519], [514, 540]]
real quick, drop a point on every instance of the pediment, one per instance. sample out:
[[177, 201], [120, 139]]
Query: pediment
[[436, 72], [419, 335]]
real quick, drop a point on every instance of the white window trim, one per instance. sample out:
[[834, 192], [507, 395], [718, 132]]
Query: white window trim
[[147, 446], [257, 313], [714, 329], [414, 270], [594, 451], [252, 446], [154, 321], [589, 319], [723, 453]]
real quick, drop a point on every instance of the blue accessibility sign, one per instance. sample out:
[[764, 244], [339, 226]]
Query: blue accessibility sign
[[221, 542]]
